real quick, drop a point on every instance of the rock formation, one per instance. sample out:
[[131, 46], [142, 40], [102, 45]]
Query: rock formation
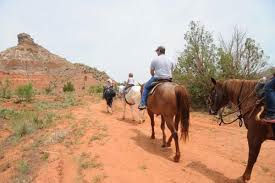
[[32, 63]]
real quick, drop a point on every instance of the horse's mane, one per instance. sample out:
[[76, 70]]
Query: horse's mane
[[239, 88]]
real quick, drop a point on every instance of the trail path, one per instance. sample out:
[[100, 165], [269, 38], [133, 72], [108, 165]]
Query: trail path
[[104, 148]]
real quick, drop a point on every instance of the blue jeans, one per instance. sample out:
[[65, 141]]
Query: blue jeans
[[269, 90], [146, 90]]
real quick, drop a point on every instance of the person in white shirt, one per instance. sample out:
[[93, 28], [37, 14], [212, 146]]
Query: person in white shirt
[[161, 68], [130, 82]]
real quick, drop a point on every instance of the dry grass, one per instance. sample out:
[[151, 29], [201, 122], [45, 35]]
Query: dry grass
[[98, 178], [85, 161]]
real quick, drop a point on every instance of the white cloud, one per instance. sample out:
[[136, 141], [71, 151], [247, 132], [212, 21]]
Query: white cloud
[[120, 36]]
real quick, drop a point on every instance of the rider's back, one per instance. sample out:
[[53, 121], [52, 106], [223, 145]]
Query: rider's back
[[163, 67]]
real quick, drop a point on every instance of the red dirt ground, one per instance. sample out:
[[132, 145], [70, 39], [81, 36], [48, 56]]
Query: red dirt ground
[[121, 151]]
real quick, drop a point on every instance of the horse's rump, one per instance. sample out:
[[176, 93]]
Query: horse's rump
[[109, 93], [171, 101], [163, 100], [133, 96]]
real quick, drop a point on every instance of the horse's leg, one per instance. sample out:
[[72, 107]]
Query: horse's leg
[[111, 106], [141, 116], [177, 119], [151, 115], [107, 108], [162, 126], [170, 124], [169, 141], [124, 109], [133, 118], [254, 144]]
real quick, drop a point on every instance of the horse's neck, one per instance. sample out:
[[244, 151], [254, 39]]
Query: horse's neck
[[230, 92], [238, 93]]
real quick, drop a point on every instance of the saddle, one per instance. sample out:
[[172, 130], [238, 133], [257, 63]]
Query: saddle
[[126, 90], [156, 83]]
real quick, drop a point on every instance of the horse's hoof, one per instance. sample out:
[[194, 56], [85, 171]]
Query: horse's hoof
[[163, 145], [177, 158], [240, 180], [245, 178], [153, 137]]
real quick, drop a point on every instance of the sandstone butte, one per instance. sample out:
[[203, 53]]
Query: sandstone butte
[[28, 62]]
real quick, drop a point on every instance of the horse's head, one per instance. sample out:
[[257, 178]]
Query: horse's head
[[217, 97]]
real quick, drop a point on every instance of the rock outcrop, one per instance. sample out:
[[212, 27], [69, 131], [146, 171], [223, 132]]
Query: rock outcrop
[[30, 57], [30, 61]]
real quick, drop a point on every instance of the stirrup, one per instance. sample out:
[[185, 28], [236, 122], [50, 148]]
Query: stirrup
[[141, 107]]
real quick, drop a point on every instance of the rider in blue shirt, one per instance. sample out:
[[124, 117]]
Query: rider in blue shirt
[[269, 93]]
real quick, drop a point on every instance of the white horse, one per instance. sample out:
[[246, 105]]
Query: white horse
[[132, 98]]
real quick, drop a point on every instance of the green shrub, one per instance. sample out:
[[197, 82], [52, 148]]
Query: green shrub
[[96, 89], [5, 90], [48, 90], [68, 99], [22, 129], [7, 113], [23, 167], [43, 122], [25, 92], [68, 87], [21, 176], [26, 122], [22, 123]]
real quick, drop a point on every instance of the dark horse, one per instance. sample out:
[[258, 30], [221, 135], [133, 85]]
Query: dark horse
[[242, 94], [108, 94], [171, 101]]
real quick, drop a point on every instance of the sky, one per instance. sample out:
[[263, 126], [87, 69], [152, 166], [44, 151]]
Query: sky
[[120, 36]]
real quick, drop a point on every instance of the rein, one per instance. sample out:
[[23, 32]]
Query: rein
[[240, 116]]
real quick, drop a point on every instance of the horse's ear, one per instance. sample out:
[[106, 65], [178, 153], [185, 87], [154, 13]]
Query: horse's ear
[[213, 81], [139, 84]]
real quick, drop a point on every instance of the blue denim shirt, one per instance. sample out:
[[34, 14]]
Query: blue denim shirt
[[269, 92]]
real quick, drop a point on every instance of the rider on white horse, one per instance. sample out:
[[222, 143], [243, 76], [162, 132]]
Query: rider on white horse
[[130, 95], [130, 82]]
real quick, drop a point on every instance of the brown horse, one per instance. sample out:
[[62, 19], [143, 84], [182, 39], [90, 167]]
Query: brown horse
[[171, 101], [242, 94]]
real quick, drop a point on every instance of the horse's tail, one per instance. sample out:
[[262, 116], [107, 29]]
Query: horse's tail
[[183, 105]]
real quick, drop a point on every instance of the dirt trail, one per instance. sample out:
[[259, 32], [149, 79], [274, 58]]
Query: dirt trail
[[104, 148]]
